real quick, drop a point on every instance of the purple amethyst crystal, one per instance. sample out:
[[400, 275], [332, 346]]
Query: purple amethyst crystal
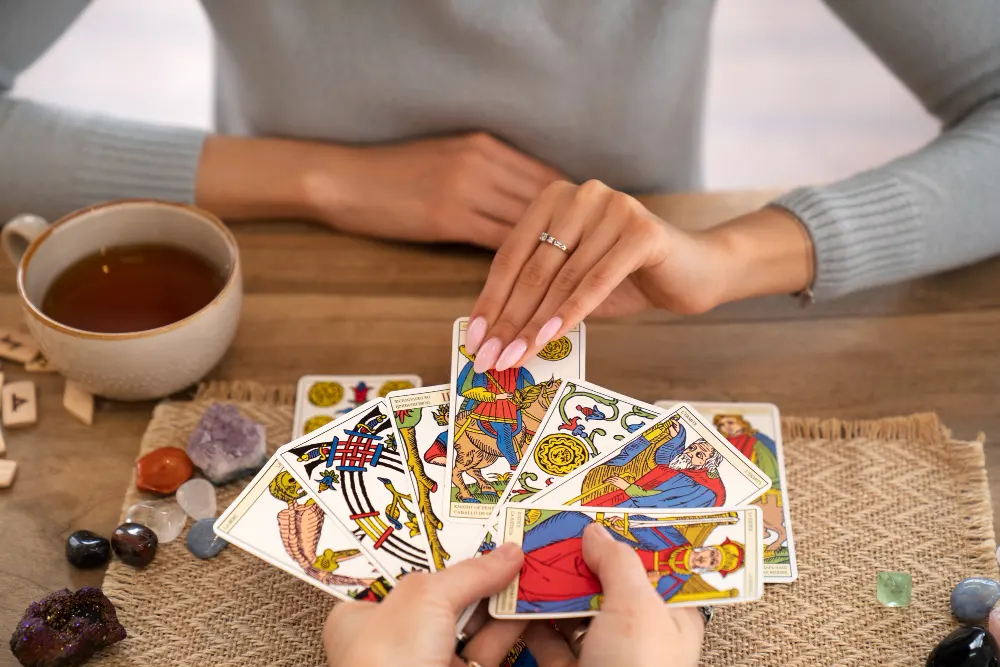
[[227, 445], [64, 629]]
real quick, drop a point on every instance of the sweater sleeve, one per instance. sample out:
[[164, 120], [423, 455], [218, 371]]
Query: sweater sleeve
[[57, 160], [934, 209]]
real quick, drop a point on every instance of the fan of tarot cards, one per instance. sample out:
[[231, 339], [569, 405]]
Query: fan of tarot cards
[[389, 477]]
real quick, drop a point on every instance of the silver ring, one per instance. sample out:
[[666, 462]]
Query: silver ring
[[576, 638], [548, 238]]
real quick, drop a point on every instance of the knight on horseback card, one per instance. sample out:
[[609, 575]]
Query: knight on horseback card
[[495, 416]]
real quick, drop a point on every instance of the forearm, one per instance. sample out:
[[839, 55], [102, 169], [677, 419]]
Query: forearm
[[255, 178], [56, 161], [765, 252]]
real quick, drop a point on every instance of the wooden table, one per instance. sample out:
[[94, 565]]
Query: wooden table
[[318, 302]]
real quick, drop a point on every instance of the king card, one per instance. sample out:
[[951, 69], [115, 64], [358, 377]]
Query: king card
[[355, 469], [755, 429], [422, 422], [495, 414], [679, 461], [692, 557], [276, 521], [319, 399]]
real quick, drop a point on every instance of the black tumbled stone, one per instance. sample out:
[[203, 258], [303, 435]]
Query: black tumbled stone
[[86, 549], [968, 646]]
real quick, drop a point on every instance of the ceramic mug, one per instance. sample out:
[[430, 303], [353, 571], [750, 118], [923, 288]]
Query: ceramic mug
[[143, 364]]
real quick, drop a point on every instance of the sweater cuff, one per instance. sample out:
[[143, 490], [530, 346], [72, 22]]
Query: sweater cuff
[[865, 232], [124, 160]]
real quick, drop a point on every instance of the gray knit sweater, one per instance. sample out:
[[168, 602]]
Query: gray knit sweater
[[611, 90]]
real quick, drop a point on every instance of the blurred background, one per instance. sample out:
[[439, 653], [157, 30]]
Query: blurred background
[[793, 98]]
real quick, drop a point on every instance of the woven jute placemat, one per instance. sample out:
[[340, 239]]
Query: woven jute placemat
[[890, 494]]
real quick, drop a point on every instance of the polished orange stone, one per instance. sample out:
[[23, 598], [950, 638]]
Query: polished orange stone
[[163, 470]]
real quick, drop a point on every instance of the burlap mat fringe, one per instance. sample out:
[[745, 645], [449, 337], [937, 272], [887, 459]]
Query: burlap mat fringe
[[247, 392], [923, 428]]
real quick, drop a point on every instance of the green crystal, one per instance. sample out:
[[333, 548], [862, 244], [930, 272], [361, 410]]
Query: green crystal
[[894, 589]]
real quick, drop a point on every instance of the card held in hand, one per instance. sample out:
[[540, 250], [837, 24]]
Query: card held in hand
[[494, 416], [679, 461], [422, 421], [355, 468], [755, 429], [692, 557], [276, 521]]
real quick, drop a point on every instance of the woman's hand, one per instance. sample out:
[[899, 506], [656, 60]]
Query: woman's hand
[[621, 259], [471, 188], [634, 627], [416, 623]]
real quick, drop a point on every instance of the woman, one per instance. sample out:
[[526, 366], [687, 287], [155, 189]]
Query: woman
[[443, 121], [415, 624], [458, 121]]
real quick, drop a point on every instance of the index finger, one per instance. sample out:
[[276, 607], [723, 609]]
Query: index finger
[[507, 264]]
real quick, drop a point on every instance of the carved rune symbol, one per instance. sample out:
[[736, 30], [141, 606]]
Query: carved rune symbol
[[16, 402]]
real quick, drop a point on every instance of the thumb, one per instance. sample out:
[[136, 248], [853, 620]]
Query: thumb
[[623, 578], [476, 578]]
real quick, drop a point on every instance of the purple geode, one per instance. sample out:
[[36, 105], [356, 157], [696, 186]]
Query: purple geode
[[64, 629], [226, 445]]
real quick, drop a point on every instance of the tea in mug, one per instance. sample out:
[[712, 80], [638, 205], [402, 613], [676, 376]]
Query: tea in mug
[[130, 288]]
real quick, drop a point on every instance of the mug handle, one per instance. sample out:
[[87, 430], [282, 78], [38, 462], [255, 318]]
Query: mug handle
[[18, 234]]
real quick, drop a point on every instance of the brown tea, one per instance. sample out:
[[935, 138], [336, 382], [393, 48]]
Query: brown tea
[[132, 288]]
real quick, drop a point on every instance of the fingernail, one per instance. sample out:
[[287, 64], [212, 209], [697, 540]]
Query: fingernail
[[507, 551], [512, 354], [474, 334], [548, 330], [487, 355]]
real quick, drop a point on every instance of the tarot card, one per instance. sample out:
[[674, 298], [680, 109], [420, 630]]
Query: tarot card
[[355, 469], [679, 461], [495, 415], [319, 399], [584, 422], [276, 521], [692, 557], [422, 422], [755, 429]]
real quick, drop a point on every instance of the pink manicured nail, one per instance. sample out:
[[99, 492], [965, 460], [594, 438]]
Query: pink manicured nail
[[548, 330], [474, 334], [487, 355], [512, 354]]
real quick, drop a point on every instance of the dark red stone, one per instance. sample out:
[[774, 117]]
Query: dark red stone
[[134, 544], [163, 470], [65, 629]]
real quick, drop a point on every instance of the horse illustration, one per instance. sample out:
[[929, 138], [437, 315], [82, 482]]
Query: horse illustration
[[475, 450]]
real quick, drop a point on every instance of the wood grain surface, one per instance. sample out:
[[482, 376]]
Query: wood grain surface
[[320, 302]]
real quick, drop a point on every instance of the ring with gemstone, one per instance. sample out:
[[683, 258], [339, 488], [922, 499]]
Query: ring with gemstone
[[551, 240]]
